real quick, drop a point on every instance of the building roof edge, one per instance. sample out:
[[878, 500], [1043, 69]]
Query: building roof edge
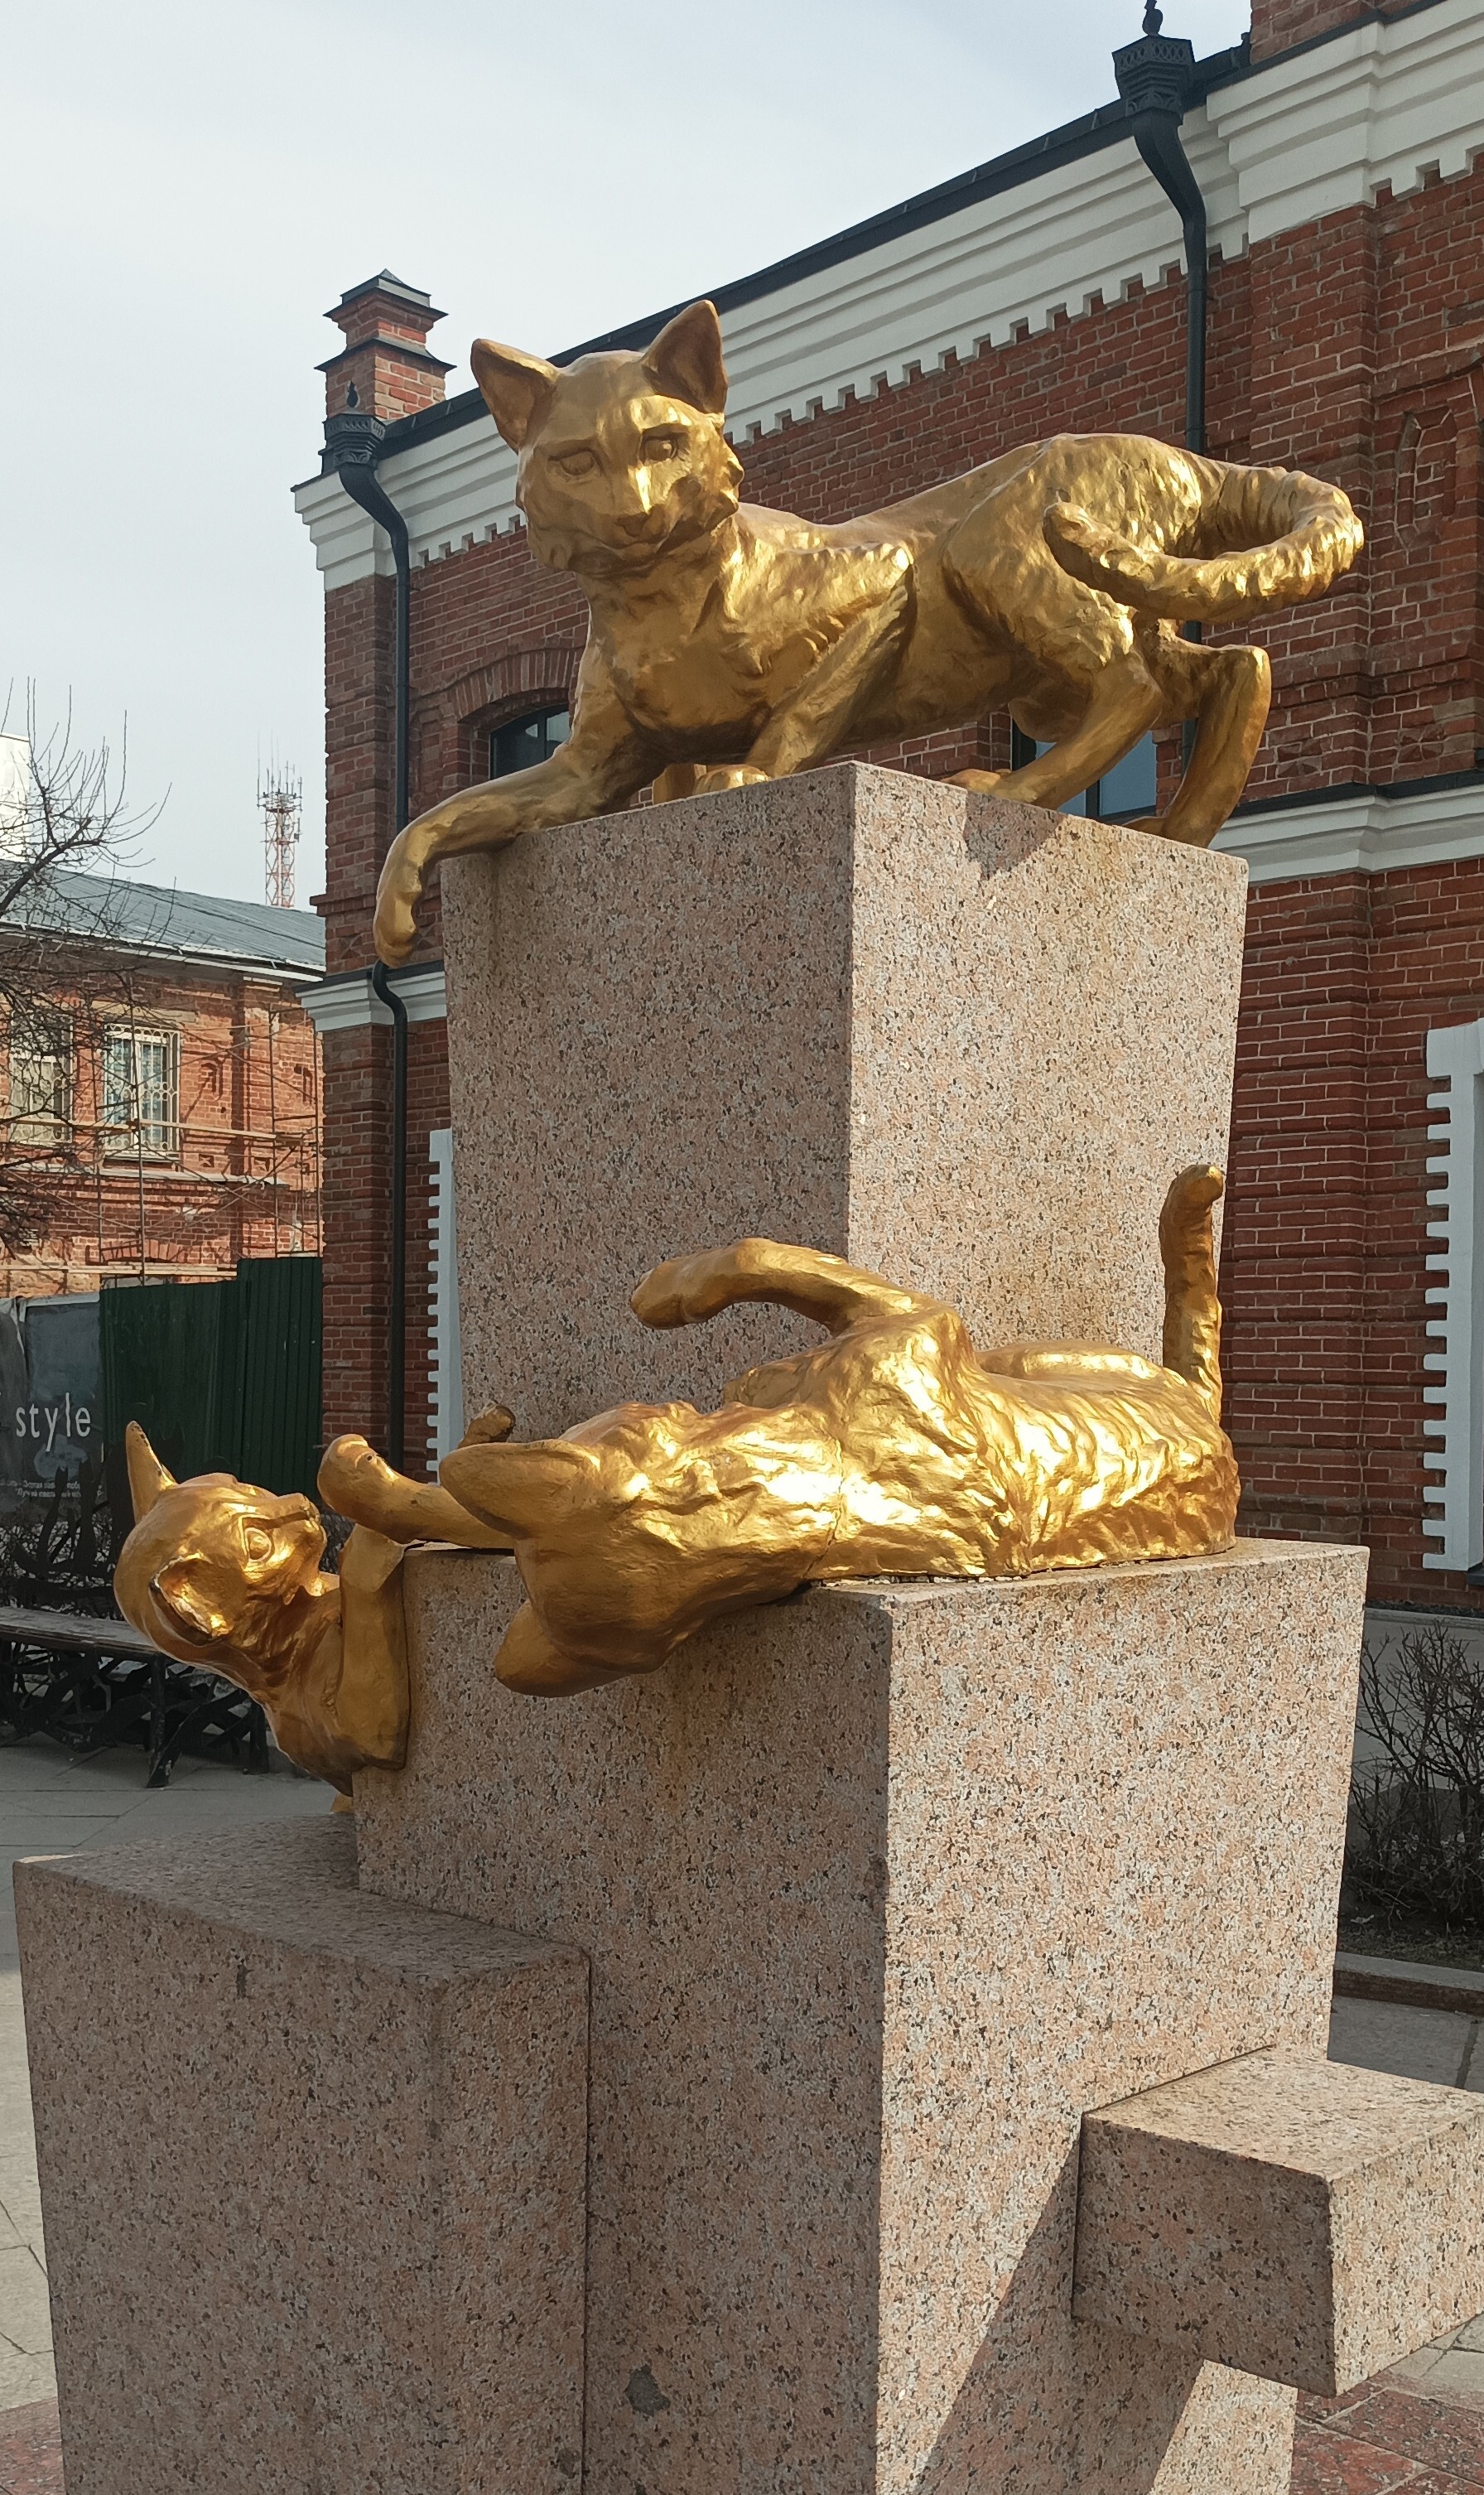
[[1090, 132]]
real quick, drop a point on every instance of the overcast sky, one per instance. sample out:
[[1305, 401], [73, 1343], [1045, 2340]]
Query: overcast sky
[[187, 184]]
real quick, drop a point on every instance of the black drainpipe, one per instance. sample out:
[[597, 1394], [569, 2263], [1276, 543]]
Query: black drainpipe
[[1155, 79], [353, 446]]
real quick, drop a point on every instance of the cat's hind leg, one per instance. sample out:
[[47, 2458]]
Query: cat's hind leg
[[1125, 701], [691, 1288], [1227, 690]]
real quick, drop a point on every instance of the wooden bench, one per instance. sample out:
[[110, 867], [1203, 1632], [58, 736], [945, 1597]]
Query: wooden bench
[[91, 1683]]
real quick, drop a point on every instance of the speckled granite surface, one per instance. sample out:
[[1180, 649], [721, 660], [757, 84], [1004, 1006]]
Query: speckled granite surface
[[881, 1889], [964, 1043], [1381, 2442], [1294, 2217], [878, 1889], [312, 2167]]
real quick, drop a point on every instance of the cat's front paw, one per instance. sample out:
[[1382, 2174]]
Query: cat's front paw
[[397, 894], [729, 775], [984, 784]]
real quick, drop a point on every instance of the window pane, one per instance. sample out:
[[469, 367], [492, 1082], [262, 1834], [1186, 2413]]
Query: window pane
[[1130, 787], [155, 1093], [117, 1079], [141, 1088], [1072, 804], [524, 742], [41, 1077]]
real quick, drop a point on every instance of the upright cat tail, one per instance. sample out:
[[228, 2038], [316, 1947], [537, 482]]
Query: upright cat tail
[[1289, 536], [1193, 1312]]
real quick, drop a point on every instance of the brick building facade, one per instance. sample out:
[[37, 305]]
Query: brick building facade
[[1043, 293], [162, 1085]]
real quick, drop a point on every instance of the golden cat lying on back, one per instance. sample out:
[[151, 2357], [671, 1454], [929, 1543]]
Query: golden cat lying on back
[[896, 1449], [730, 644]]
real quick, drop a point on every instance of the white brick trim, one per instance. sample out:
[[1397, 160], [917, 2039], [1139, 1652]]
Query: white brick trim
[[1373, 833], [446, 1377], [349, 1002], [1455, 1056]]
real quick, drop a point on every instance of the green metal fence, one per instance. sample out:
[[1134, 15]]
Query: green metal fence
[[224, 1377]]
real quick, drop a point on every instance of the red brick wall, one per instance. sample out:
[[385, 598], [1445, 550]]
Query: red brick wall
[[244, 1179], [387, 382], [1324, 1269], [1356, 348]]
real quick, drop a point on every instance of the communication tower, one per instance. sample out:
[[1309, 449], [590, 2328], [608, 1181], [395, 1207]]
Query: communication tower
[[281, 798]]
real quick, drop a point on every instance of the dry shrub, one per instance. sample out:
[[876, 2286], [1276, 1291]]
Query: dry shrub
[[1416, 1833]]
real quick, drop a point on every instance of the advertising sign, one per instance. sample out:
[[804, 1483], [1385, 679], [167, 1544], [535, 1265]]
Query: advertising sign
[[51, 1390]]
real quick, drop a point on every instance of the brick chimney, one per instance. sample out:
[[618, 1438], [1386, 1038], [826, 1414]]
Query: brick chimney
[[384, 367], [1277, 26]]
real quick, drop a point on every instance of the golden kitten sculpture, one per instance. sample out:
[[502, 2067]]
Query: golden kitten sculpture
[[895, 1450], [227, 1576], [730, 644]]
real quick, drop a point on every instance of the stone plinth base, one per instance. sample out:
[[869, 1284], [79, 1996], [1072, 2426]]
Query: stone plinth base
[[964, 1043], [312, 2167], [883, 1889], [1291, 2216]]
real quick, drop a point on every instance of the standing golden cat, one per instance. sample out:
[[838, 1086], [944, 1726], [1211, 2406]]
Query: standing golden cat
[[730, 644]]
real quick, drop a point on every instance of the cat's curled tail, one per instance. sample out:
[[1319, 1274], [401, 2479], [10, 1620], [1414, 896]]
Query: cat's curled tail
[[1264, 537], [1193, 1312]]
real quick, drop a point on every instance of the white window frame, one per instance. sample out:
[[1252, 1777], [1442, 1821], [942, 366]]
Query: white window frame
[[134, 1138], [39, 1125]]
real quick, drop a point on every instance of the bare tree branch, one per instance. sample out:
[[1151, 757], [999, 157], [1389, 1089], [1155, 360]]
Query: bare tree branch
[[62, 847]]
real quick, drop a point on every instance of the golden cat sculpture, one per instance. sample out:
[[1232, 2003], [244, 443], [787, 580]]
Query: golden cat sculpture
[[729, 643], [895, 1450], [227, 1576]]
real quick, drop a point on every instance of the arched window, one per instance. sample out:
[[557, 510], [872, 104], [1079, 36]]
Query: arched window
[[519, 743]]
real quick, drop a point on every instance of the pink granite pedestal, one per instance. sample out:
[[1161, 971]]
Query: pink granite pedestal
[[964, 1042], [848, 1917], [882, 1888], [311, 2166]]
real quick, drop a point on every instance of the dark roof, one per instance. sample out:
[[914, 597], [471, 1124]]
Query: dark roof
[[385, 283], [1084, 137], [160, 920]]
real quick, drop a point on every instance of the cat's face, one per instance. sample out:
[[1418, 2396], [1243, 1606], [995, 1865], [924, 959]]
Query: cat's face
[[653, 1519], [215, 1563], [623, 457]]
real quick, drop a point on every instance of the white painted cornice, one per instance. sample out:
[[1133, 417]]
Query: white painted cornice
[[1273, 150], [1371, 833], [1383, 103], [348, 1003]]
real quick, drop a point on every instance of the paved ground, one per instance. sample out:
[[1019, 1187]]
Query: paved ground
[[1419, 2428], [1386, 2436]]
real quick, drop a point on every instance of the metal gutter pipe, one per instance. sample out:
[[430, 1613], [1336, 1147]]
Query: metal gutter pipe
[[353, 446], [1155, 79]]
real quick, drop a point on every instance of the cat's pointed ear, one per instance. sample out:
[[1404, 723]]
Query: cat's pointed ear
[[686, 359], [517, 388], [148, 1477], [187, 1603]]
